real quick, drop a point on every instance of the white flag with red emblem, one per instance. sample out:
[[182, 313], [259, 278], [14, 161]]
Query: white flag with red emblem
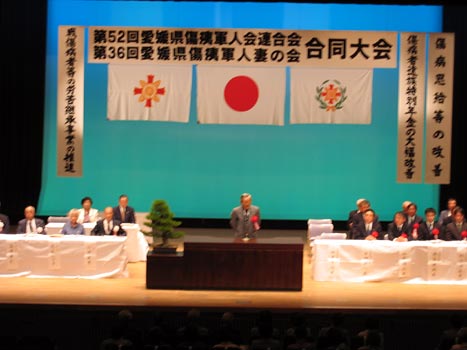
[[149, 92], [330, 96], [241, 95]]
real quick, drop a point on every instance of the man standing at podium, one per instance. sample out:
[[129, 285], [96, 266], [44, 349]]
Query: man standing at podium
[[245, 219]]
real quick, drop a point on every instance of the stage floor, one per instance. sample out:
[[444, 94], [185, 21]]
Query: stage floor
[[132, 292]]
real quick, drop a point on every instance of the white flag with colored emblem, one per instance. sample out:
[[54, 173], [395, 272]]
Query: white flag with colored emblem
[[330, 96], [149, 92], [241, 95]]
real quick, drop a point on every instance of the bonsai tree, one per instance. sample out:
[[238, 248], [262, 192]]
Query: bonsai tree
[[162, 224]]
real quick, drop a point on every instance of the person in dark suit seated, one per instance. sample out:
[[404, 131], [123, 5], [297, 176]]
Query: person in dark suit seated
[[108, 225], [457, 229], [4, 223], [368, 229], [447, 213], [123, 212], [245, 219], [72, 226], [30, 224], [398, 229], [358, 217], [429, 228], [412, 217]]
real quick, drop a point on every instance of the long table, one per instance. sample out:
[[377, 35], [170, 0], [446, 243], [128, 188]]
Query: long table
[[227, 263], [136, 245], [70, 256], [409, 262]]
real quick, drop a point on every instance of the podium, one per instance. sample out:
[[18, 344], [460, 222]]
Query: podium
[[216, 263]]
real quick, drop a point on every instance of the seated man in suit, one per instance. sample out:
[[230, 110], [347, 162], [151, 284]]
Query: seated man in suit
[[30, 223], [123, 212], [398, 229], [368, 229], [412, 217], [245, 219], [4, 223], [447, 213], [457, 229], [429, 229], [108, 225]]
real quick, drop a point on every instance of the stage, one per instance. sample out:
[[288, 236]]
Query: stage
[[132, 292], [77, 313]]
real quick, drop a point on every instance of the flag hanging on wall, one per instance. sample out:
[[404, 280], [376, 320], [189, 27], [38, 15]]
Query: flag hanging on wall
[[241, 95], [330, 96], [149, 92]]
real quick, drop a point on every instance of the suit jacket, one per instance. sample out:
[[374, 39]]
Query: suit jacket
[[452, 233], [6, 223], [129, 215], [446, 213], [417, 219], [22, 225], [393, 232], [424, 232], [359, 230], [99, 229], [241, 222]]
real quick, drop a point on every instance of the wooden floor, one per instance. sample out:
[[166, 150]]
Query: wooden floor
[[132, 292]]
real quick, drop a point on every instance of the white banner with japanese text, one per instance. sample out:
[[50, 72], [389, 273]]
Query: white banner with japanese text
[[439, 108], [411, 110], [70, 101], [257, 47]]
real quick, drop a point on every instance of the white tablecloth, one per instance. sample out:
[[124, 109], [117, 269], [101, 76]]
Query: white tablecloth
[[70, 256], [136, 245], [408, 262]]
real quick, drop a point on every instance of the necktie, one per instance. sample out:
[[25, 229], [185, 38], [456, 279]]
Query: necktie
[[431, 226], [368, 228], [106, 226], [122, 213], [30, 227]]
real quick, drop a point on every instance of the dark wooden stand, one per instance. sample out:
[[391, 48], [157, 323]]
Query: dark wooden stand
[[226, 263]]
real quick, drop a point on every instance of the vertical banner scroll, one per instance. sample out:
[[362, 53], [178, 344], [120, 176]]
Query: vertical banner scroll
[[70, 101], [439, 108], [411, 107]]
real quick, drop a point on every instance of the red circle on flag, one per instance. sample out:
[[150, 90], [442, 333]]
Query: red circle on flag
[[241, 93]]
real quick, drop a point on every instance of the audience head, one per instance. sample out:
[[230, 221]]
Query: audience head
[[123, 200], [29, 212], [86, 203], [245, 200]]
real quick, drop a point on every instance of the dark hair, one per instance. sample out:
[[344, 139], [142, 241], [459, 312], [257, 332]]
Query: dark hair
[[430, 210], [458, 210], [86, 199], [123, 196]]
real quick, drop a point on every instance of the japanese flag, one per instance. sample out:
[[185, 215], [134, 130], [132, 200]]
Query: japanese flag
[[149, 92], [241, 95], [330, 96]]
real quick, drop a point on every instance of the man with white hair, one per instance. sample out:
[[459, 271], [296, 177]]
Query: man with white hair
[[245, 219], [108, 225]]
